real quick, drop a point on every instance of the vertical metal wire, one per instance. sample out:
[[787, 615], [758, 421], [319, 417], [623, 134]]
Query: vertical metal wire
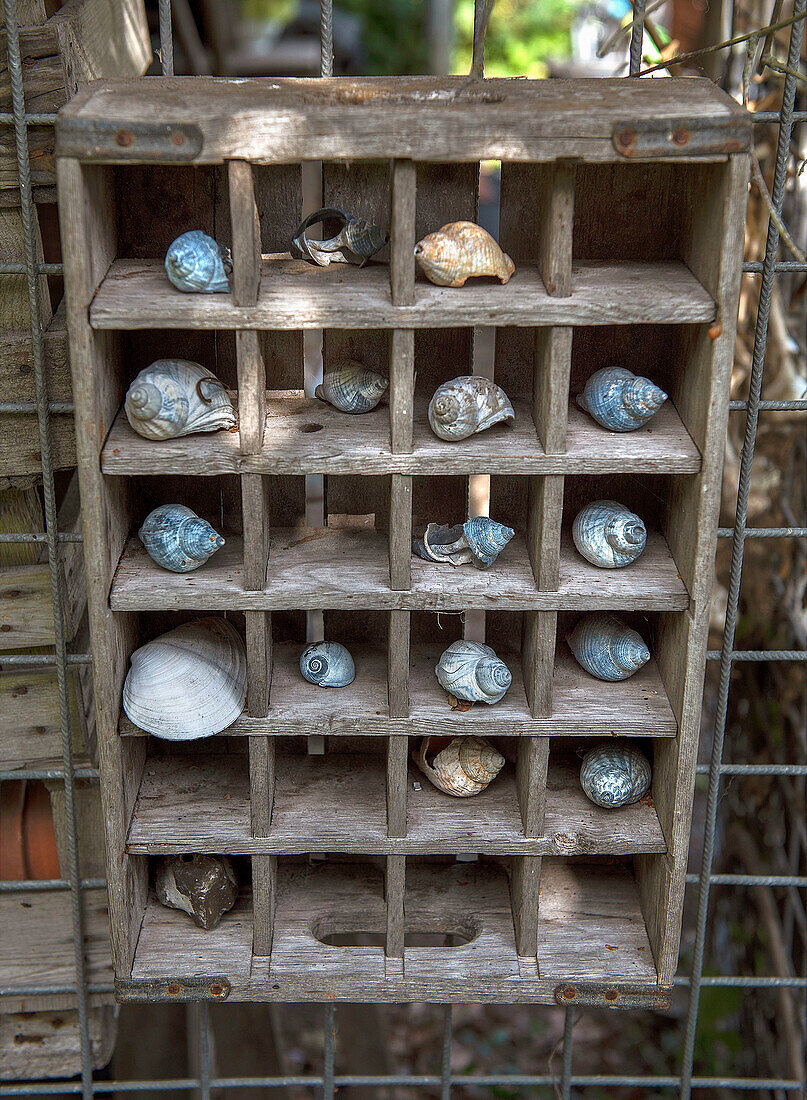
[[166, 39], [329, 1058], [203, 1017], [637, 36], [326, 37], [445, 1055], [568, 1051], [738, 544]]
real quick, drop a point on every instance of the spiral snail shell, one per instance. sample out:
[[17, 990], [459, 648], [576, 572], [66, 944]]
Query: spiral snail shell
[[608, 649], [479, 541], [467, 405], [472, 671], [351, 388], [177, 539], [615, 774], [466, 766], [354, 243], [620, 400], [327, 664], [203, 886], [608, 534], [176, 397], [195, 263], [459, 251]]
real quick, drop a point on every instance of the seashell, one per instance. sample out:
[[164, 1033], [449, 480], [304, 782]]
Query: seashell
[[472, 671], [351, 388], [608, 534], [608, 649], [467, 405], [615, 774], [479, 541], [464, 767], [354, 243], [188, 683], [176, 397], [197, 264], [327, 664], [459, 251], [204, 887], [619, 399], [177, 539]]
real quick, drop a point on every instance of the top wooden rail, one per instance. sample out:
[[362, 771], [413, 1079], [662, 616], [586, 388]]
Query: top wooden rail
[[204, 120]]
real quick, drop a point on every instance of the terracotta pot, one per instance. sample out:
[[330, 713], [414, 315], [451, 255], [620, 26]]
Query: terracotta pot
[[27, 837]]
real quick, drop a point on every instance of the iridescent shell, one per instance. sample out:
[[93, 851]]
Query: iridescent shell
[[327, 664], [190, 682], [196, 264], [459, 251], [479, 541], [204, 887], [176, 397], [467, 405], [177, 539], [354, 243], [464, 767], [351, 388], [608, 649], [472, 671], [620, 400], [608, 534], [615, 774]]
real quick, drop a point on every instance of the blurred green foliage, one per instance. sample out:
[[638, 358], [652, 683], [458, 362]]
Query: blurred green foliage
[[522, 34], [394, 35]]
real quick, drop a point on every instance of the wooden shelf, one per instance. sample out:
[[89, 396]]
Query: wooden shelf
[[336, 803], [583, 706], [293, 294], [311, 568], [590, 928]]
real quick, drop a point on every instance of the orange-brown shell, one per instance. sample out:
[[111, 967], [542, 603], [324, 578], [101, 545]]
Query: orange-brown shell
[[461, 250]]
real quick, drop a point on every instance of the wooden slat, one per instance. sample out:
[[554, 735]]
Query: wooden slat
[[402, 232], [255, 509], [402, 389], [398, 664], [259, 661], [264, 898], [553, 356], [251, 390], [397, 773], [531, 779], [261, 784], [555, 235], [246, 234], [544, 532], [538, 660], [525, 887], [394, 899], [400, 532]]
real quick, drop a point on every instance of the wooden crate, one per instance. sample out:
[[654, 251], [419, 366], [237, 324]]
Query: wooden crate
[[633, 258]]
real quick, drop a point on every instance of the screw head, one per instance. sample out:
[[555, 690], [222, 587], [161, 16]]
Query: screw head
[[124, 137], [681, 137], [626, 138], [174, 989], [178, 138]]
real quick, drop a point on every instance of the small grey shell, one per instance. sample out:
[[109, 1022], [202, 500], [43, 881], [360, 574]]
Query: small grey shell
[[196, 264], [204, 887], [354, 243], [467, 405], [472, 671], [327, 664], [620, 400], [608, 534], [351, 388], [615, 774], [479, 541], [608, 649], [177, 539], [176, 397]]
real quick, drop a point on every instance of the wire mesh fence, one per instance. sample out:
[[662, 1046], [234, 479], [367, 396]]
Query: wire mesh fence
[[445, 1082]]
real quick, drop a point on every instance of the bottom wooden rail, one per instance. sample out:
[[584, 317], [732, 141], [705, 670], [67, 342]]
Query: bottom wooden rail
[[328, 941]]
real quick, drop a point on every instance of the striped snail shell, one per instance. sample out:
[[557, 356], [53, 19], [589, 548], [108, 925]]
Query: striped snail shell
[[176, 397], [203, 886], [479, 541], [620, 400], [608, 649], [354, 243], [464, 767], [467, 405], [608, 534], [177, 539], [351, 388], [472, 671], [327, 664], [615, 774], [459, 251], [197, 264]]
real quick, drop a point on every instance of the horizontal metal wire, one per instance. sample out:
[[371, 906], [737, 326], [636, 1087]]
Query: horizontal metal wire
[[744, 981], [25, 885], [799, 881], [761, 655], [40, 536], [8, 268], [754, 267], [25, 408], [765, 532], [40, 660], [47, 773], [756, 769], [30, 118], [799, 405]]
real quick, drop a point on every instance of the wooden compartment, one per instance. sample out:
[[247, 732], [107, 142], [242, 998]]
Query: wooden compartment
[[562, 893]]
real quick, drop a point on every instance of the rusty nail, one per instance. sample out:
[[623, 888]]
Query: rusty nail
[[124, 137], [216, 990], [178, 138], [174, 989], [715, 330], [611, 994], [681, 137], [626, 138], [569, 993]]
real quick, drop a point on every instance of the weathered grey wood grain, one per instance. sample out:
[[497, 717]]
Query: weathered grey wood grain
[[531, 782], [397, 776], [261, 784], [555, 236], [394, 897], [398, 664], [246, 233], [400, 532], [402, 232], [259, 661], [525, 887], [264, 900], [538, 660], [402, 389], [255, 543], [251, 390]]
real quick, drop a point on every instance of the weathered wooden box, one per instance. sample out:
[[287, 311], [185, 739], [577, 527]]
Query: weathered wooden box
[[622, 205]]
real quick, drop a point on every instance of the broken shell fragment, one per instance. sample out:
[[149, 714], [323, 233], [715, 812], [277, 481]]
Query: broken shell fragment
[[478, 541], [354, 243], [203, 886]]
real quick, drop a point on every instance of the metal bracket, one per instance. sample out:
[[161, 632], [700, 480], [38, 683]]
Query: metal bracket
[[120, 142], [157, 990], [681, 137], [597, 995]]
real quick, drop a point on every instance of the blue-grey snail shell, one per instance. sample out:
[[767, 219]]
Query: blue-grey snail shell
[[177, 539], [615, 774], [176, 397], [203, 886], [197, 264], [608, 534], [351, 388], [354, 243], [608, 649], [472, 671], [479, 541], [620, 400], [467, 405], [327, 664]]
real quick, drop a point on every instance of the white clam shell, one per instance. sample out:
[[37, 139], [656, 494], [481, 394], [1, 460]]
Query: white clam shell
[[472, 672], [175, 397], [190, 682], [467, 405], [466, 766]]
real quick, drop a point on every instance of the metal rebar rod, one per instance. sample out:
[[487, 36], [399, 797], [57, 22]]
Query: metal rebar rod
[[26, 408], [166, 38], [756, 769], [758, 655], [568, 1051], [329, 1054], [637, 36], [326, 37], [445, 1052], [765, 532]]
